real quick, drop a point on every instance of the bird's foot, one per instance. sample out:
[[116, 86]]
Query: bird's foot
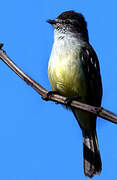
[[68, 100], [49, 94]]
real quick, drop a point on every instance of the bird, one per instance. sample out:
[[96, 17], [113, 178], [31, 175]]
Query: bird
[[74, 72]]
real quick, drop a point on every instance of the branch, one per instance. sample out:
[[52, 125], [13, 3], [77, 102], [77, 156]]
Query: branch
[[98, 111]]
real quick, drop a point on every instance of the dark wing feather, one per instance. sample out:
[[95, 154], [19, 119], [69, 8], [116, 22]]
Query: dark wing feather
[[92, 74]]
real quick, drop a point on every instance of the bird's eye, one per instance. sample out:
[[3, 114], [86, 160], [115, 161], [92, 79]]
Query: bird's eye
[[67, 21]]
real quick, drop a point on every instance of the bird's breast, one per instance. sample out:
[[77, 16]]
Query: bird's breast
[[65, 71]]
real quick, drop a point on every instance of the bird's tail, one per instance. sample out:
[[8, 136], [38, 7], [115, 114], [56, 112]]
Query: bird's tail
[[92, 159]]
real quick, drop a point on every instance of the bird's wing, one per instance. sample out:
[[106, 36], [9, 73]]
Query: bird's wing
[[92, 74]]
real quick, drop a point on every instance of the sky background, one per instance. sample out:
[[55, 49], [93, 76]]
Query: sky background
[[41, 140]]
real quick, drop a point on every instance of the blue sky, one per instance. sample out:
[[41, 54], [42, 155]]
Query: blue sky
[[41, 140]]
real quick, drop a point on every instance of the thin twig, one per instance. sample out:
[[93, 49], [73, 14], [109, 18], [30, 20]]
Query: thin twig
[[99, 111]]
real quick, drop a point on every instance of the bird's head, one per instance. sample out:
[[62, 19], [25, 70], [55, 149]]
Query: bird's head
[[70, 21]]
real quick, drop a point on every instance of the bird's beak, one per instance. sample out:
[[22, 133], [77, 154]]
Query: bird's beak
[[51, 21]]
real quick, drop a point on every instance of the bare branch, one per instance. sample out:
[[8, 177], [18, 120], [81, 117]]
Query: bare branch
[[99, 111]]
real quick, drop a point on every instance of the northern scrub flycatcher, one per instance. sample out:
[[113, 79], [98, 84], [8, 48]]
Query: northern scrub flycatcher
[[74, 72]]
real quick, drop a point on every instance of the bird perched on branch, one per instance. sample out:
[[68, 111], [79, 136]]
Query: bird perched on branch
[[74, 73]]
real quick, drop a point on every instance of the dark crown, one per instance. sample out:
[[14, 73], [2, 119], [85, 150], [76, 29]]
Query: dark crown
[[71, 15]]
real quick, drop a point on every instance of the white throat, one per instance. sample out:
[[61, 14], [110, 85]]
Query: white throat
[[67, 41]]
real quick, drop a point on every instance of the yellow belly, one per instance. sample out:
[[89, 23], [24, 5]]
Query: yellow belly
[[66, 75]]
